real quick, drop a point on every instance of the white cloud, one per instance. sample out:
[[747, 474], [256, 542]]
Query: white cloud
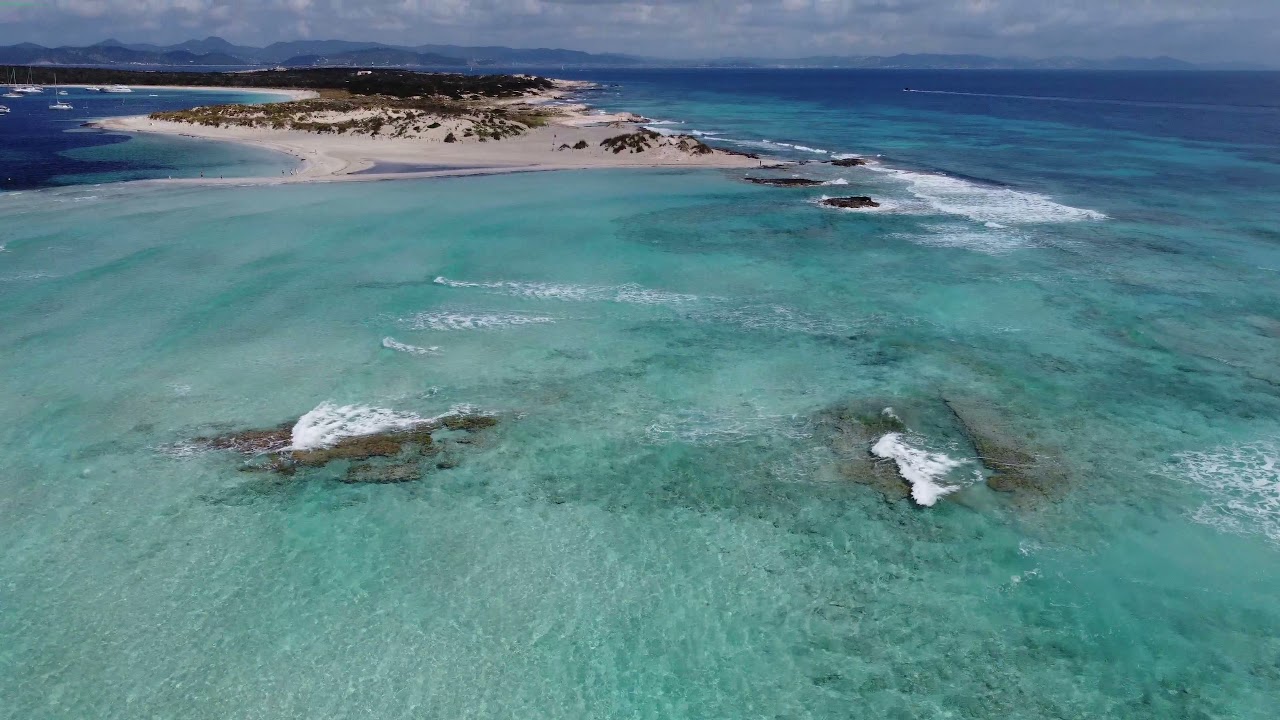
[[1245, 29]]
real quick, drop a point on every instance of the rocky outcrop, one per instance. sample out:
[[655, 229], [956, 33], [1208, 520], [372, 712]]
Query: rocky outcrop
[[850, 203], [784, 182], [383, 457], [848, 162]]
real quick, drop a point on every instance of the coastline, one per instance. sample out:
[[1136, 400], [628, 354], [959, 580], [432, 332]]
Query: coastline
[[357, 158]]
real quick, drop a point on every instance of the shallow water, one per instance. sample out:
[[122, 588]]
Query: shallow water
[[676, 516]]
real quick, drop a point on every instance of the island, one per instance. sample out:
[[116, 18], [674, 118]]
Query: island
[[346, 124]]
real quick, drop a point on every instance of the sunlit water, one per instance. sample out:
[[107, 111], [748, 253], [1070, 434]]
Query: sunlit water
[[672, 519]]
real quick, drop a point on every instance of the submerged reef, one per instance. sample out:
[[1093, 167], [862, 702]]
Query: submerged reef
[[1016, 466], [390, 456], [1025, 472]]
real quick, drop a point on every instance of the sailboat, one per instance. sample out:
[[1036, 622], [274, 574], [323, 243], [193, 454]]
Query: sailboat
[[59, 104], [13, 85], [28, 88]]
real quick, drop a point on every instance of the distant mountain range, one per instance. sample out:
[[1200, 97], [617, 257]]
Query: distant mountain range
[[214, 51]]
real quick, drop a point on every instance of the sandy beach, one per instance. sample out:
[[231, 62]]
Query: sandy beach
[[351, 157]]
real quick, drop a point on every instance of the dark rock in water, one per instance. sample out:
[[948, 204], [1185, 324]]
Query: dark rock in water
[[784, 182], [252, 442], [851, 203], [356, 448], [849, 162]]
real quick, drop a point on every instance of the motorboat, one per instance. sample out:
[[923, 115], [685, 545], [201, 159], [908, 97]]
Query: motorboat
[[117, 89], [4, 109]]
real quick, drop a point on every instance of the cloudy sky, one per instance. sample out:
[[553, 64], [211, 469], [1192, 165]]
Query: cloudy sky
[[1205, 30]]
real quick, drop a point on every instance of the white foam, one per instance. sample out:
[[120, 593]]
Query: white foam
[[329, 423], [630, 293], [1243, 483], [922, 469], [837, 181], [472, 321], [391, 343], [986, 204]]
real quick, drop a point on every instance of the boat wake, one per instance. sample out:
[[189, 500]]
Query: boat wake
[[1105, 101]]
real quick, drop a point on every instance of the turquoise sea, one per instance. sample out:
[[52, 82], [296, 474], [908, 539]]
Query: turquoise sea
[[1063, 320]]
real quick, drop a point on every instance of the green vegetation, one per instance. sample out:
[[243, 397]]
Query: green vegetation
[[636, 142], [366, 115]]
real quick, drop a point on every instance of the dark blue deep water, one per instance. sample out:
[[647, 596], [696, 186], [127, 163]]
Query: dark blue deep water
[[40, 147]]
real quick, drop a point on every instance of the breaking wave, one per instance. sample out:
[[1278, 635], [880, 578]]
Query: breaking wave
[[925, 471], [472, 321], [1243, 483], [328, 423], [391, 343], [985, 204]]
